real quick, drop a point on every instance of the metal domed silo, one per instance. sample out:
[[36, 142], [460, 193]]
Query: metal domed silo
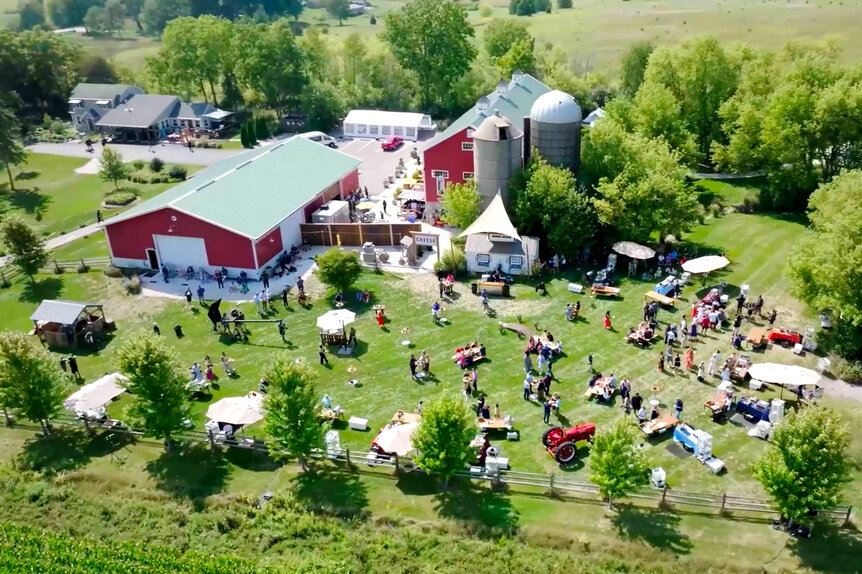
[[497, 155], [555, 129]]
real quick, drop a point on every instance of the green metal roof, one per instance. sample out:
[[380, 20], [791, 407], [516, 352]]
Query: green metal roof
[[252, 192], [515, 105]]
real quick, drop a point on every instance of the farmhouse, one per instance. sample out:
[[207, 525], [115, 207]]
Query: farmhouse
[[240, 213], [89, 102], [150, 117], [448, 157]]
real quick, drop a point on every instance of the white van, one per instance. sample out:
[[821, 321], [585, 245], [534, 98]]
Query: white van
[[321, 138]]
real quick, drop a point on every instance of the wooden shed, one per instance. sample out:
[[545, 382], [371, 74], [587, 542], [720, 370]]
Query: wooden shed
[[65, 323]]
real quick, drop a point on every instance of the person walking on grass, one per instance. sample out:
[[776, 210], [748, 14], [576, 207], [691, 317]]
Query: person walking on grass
[[284, 298], [546, 415], [528, 380], [73, 367], [189, 296], [98, 216], [201, 294], [678, 408], [528, 363], [435, 312], [590, 361], [412, 365], [322, 354], [474, 378]]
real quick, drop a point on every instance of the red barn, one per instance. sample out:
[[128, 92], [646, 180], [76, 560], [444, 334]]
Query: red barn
[[448, 158], [239, 213]]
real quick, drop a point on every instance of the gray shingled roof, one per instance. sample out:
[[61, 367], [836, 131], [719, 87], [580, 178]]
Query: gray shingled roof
[[479, 243], [141, 111], [98, 91], [62, 312]]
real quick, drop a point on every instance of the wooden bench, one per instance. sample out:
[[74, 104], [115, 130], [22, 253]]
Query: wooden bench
[[661, 299], [521, 330], [491, 424], [604, 290], [659, 425]]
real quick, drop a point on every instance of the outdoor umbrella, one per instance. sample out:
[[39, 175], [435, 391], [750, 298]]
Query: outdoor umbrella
[[705, 264], [365, 205], [95, 394], [785, 375], [397, 439], [337, 319], [633, 250], [237, 410]]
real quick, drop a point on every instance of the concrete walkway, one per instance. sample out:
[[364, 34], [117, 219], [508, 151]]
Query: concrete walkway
[[170, 153], [67, 238]]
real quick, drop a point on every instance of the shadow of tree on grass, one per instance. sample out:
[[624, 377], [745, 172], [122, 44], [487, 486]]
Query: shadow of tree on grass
[[484, 511], [27, 200], [333, 492], [68, 448], [658, 529], [193, 472], [830, 550], [47, 288]]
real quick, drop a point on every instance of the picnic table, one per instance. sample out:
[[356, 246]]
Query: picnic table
[[521, 330], [491, 287], [604, 290], [717, 405], [597, 389], [658, 297], [330, 414], [755, 336], [447, 286], [639, 336], [555, 346], [401, 417], [491, 424], [473, 355], [784, 336], [739, 365], [659, 425]]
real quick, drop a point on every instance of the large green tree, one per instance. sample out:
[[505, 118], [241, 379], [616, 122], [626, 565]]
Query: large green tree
[[12, 153], [112, 167], [807, 465], [31, 13], [521, 56], [68, 13], [156, 384], [338, 9], [443, 437], [656, 113], [701, 76], [155, 14], [548, 204], [133, 9], [825, 266], [338, 268], [617, 465], [433, 39], [501, 34], [461, 203], [270, 63], [23, 243], [30, 381], [640, 186], [291, 406], [323, 105], [633, 65]]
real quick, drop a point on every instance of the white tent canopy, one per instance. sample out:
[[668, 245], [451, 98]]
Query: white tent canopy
[[397, 439], [96, 394], [705, 264], [237, 410], [381, 123], [493, 220], [335, 320], [634, 250], [785, 375]]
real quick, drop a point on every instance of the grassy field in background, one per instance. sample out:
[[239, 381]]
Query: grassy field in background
[[56, 199], [756, 244]]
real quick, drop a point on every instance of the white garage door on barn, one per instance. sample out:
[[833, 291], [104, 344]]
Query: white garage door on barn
[[180, 252]]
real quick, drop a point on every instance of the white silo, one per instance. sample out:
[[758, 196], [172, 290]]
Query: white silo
[[555, 129], [497, 149]]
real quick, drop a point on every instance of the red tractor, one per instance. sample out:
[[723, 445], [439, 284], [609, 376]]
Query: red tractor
[[562, 442]]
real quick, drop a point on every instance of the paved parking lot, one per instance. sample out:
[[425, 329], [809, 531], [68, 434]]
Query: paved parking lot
[[376, 163]]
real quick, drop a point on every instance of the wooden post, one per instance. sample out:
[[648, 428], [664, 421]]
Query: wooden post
[[550, 479], [360, 234], [847, 516], [663, 494], [212, 440], [329, 228], [391, 235], [438, 254], [349, 464], [397, 464], [723, 501]]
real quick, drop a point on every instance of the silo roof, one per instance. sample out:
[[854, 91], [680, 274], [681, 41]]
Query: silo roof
[[556, 107], [489, 130]]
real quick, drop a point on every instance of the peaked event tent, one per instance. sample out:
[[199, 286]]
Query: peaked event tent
[[96, 394], [397, 439], [634, 250], [493, 220], [705, 264], [237, 410]]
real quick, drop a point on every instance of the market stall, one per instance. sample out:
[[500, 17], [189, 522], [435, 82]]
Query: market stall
[[66, 323]]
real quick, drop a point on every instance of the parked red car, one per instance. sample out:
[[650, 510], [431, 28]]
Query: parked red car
[[391, 143]]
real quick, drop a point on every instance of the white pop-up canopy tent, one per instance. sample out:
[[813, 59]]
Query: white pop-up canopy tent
[[96, 394], [335, 320], [382, 123], [237, 410]]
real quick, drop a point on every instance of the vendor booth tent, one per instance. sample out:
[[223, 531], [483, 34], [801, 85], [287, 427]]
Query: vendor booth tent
[[397, 439], [237, 410], [96, 394], [60, 323], [382, 124], [786, 375], [705, 264]]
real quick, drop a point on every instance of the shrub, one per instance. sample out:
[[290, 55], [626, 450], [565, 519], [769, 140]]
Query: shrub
[[4, 283], [751, 201], [156, 165], [132, 286], [454, 260], [847, 370], [177, 172], [83, 267], [485, 11], [58, 127], [120, 198], [139, 164], [397, 192], [57, 269], [112, 271]]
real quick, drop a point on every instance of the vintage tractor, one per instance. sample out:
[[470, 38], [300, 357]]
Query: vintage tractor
[[562, 443]]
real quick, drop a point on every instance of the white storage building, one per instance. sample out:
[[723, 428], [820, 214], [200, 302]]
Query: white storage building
[[380, 124]]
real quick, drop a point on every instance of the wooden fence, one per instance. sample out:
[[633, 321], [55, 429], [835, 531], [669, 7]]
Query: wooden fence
[[552, 485], [11, 272], [355, 234]]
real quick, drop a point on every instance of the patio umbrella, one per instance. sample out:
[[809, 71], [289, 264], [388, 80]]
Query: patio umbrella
[[337, 319], [96, 394], [633, 250], [397, 438], [705, 264], [237, 410], [365, 205], [785, 375]]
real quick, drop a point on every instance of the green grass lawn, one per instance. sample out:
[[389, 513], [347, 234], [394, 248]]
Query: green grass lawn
[[56, 199], [94, 245]]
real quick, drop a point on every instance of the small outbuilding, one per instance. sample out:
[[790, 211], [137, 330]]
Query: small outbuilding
[[494, 243], [381, 124], [65, 323]]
